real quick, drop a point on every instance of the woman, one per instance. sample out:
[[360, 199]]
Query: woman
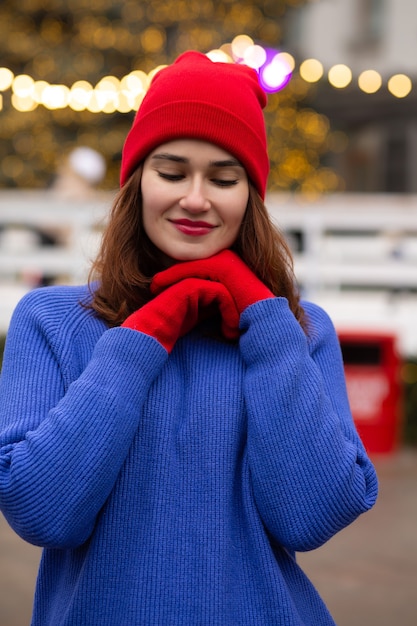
[[174, 433]]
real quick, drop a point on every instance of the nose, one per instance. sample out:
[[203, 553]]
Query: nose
[[195, 199]]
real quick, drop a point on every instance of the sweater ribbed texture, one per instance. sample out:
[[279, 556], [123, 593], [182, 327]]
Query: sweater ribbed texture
[[175, 491]]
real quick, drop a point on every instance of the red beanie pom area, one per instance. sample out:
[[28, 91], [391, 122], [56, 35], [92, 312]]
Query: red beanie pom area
[[196, 98]]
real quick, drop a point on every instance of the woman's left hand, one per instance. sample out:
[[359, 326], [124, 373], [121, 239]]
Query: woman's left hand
[[227, 268], [179, 307]]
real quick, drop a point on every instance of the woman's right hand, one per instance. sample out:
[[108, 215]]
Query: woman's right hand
[[178, 308], [226, 268]]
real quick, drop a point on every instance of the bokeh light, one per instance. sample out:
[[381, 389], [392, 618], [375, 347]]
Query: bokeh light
[[219, 56], [370, 81], [22, 85], [135, 83], [6, 78], [55, 97], [77, 66], [23, 104], [80, 95], [255, 56], [311, 70], [340, 76], [400, 85], [111, 94], [240, 44], [276, 73]]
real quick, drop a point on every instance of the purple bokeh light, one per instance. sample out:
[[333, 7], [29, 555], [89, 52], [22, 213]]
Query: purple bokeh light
[[275, 73]]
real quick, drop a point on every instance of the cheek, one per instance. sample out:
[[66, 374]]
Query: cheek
[[152, 195], [234, 223], [147, 214], [150, 215], [237, 215], [152, 205]]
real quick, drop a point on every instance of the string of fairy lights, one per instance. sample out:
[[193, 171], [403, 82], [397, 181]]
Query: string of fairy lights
[[123, 95]]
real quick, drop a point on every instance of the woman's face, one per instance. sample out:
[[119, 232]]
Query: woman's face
[[194, 197]]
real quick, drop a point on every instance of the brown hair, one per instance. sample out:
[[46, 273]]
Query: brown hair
[[127, 259]]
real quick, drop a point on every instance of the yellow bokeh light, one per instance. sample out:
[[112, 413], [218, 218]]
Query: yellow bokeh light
[[6, 78], [93, 104], [218, 56], [80, 95], [240, 44], [313, 125], [77, 103], [311, 70], [153, 39], [370, 81], [108, 83], [55, 97], [126, 94], [295, 165], [328, 179], [135, 83], [137, 101], [104, 98], [125, 104], [38, 89], [254, 56], [24, 104], [104, 37], [340, 76], [22, 85], [110, 106], [400, 85], [106, 94], [227, 49], [286, 59], [83, 85]]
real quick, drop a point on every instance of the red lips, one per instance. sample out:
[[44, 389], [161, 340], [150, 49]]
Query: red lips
[[193, 224], [193, 228]]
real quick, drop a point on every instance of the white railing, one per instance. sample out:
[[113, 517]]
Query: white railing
[[358, 259], [358, 253], [28, 216], [74, 225], [352, 239]]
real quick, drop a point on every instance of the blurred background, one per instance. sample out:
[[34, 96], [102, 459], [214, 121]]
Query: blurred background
[[342, 130]]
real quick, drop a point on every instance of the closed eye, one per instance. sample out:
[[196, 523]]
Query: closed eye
[[171, 177], [225, 183]]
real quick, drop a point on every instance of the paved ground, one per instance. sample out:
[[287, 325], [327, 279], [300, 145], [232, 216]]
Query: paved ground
[[367, 574]]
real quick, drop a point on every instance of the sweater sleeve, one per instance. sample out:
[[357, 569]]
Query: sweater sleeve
[[311, 475], [62, 446]]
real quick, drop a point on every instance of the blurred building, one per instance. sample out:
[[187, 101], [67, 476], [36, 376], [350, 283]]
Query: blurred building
[[365, 35]]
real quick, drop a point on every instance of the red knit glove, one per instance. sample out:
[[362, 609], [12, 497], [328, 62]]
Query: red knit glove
[[226, 268], [175, 311]]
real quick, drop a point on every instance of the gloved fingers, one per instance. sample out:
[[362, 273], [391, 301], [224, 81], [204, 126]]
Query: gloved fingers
[[211, 268], [177, 310], [226, 268], [219, 295], [204, 297]]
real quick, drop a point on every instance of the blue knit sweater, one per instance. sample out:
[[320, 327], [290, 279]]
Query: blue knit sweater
[[175, 490]]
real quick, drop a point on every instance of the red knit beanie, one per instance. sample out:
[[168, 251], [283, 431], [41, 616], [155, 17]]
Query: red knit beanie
[[196, 98]]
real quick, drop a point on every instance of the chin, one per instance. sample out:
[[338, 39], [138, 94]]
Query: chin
[[192, 255]]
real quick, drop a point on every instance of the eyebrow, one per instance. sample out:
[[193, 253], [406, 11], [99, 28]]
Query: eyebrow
[[170, 157], [166, 156]]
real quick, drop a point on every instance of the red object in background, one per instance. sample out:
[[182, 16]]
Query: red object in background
[[372, 370]]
